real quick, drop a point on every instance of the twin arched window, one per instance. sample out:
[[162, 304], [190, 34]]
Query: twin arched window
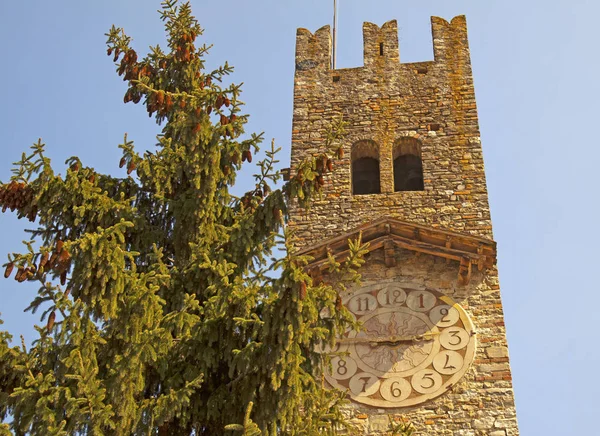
[[365, 168], [408, 166]]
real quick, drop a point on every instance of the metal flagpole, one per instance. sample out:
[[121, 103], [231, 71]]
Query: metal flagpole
[[333, 58]]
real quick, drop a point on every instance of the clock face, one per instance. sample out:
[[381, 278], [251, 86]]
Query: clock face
[[413, 346]]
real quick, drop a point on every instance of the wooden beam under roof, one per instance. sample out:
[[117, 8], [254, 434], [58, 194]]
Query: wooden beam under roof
[[452, 246]]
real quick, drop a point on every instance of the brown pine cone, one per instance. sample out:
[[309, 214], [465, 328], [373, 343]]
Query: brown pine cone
[[130, 167], [302, 292], [51, 319], [338, 303], [44, 260], [9, 269]]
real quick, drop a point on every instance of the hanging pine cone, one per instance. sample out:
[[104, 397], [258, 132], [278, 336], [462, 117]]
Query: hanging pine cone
[[329, 165], [52, 260], [302, 292], [338, 303], [44, 260], [340, 153], [21, 275], [51, 319], [63, 278], [64, 257], [122, 162], [130, 167], [9, 269]]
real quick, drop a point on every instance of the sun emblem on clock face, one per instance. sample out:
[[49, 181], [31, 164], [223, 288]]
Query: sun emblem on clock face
[[413, 346]]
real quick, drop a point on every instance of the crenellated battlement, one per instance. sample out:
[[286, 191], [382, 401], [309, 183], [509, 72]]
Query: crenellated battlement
[[313, 51], [380, 44]]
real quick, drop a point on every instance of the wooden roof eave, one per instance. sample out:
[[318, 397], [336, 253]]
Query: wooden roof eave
[[466, 249]]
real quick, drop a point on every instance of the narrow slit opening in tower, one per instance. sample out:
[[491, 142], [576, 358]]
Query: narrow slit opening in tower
[[365, 176], [381, 49]]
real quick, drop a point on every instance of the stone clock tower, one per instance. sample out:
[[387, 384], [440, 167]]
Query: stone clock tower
[[412, 183]]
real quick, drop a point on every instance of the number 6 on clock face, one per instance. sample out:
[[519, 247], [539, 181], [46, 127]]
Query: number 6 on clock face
[[395, 389]]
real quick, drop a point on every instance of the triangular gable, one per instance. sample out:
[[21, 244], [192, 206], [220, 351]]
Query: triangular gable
[[389, 233]]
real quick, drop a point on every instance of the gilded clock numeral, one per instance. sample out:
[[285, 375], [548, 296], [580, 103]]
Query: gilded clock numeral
[[454, 338], [426, 381], [343, 367], [362, 301], [391, 296], [448, 362], [364, 384], [395, 389], [421, 301], [444, 316], [362, 304]]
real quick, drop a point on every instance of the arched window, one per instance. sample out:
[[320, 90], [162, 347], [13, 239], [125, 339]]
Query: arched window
[[408, 166], [365, 168]]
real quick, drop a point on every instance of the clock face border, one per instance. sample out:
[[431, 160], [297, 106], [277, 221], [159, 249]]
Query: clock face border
[[407, 377]]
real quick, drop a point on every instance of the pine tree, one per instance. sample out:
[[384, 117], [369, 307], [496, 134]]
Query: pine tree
[[166, 307]]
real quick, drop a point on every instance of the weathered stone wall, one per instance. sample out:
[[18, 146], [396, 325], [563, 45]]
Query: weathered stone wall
[[433, 102]]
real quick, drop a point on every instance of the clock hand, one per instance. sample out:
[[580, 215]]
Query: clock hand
[[390, 340]]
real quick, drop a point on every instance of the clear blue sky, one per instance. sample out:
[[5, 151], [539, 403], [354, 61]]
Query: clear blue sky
[[536, 69]]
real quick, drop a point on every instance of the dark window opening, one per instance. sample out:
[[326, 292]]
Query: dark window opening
[[381, 49], [365, 176], [336, 78], [408, 173]]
